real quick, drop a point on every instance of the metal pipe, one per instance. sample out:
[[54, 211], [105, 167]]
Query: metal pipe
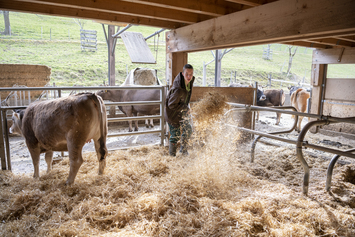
[[6, 133], [330, 170], [162, 119], [155, 33], [132, 133], [133, 103], [132, 118], [123, 30], [69, 88], [252, 155], [264, 134], [300, 155], [2, 147], [272, 109]]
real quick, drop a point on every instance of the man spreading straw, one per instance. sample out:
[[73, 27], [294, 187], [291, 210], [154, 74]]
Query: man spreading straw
[[177, 108]]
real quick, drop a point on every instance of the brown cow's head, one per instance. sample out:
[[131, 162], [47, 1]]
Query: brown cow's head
[[105, 94], [17, 117]]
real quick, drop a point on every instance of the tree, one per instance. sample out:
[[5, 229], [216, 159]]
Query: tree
[[7, 23], [80, 23], [291, 55]]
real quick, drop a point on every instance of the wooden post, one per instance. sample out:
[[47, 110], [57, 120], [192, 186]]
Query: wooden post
[[319, 73], [111, 55], [111, 62], [174, 64], [218, 68]]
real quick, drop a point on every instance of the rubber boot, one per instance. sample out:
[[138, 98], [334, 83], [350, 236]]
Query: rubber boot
[[183, 147], [172, 149]]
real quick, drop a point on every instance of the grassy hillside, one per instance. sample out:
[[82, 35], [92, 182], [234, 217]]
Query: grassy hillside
[[55, 42]]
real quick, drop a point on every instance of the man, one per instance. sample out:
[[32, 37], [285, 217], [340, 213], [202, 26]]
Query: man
[[177, 110]]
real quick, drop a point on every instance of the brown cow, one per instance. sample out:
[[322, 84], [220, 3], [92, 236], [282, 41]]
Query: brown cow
[[274, 97], [63, 124], [299, 101], [133, 95]]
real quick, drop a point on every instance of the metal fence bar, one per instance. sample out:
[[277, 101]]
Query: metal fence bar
[[133, 118], [6, 133], [67, 88], [133, 103], [132, 133], [273, 109], [2, 147]]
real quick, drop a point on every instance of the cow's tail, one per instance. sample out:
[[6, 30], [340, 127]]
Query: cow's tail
[[103, 127], [282, 97]]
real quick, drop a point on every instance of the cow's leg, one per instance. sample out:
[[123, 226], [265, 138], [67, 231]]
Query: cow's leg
[[129, 114], [299, 123], [35, 154], [146, 123], [75, 160], [130, 126], [151, 123], [49, 159], [101, 152], [278, 118], [257, 115], [135, 122]]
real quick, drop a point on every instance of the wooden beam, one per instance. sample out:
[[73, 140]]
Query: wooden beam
[[334, 56], [252, 3], [280, 21], [207, 7], [127, 8], [318, 75], [332, 42], [12, 5], [174, 64], [307, 44], [347, 38]]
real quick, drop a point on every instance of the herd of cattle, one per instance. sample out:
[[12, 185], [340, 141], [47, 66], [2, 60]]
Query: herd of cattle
[[66, 124]]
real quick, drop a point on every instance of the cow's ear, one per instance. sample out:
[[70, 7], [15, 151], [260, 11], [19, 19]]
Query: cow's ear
[[16, 115]]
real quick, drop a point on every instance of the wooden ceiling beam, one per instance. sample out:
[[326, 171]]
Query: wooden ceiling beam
[[307, 44], [252, 3], [346, 38], [280, 21], [27, 7], [332, 42], [207, 7], [127, 8]]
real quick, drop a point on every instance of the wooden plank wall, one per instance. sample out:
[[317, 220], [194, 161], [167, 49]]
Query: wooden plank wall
[[339, 93]]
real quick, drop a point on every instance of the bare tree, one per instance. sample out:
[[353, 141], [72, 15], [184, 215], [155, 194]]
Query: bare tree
[[80, 22], [291, 55], [7, 23]]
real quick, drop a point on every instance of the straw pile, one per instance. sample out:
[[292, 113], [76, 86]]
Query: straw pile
[[215, 191]]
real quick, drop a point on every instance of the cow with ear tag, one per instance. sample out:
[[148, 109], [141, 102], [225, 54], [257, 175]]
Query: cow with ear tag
[[63, 124]]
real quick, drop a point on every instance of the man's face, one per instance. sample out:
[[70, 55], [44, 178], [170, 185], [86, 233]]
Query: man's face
[[188, 74]]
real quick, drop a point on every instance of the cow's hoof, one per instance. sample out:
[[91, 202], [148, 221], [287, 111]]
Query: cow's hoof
[[136, 129], [147, 126]]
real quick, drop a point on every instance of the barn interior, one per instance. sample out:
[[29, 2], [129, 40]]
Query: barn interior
[[258, 206]]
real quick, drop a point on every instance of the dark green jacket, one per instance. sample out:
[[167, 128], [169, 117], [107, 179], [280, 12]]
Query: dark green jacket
[[177, 100]]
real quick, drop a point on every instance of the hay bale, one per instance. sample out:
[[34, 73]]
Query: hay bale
[[25, 75]]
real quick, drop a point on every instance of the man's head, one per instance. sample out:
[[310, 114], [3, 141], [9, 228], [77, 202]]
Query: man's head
[[188, 73]]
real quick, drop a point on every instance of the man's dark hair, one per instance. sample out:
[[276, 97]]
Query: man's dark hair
[[187, 66]]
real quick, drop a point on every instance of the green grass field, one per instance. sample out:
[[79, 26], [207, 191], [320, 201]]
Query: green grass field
[[55, 42]]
